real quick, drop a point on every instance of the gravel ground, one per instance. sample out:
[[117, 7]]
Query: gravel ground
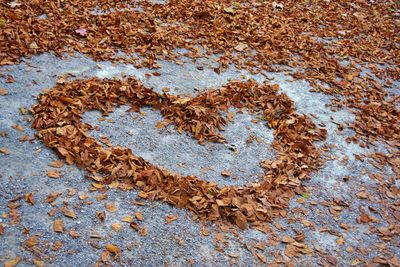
[[326, 216]]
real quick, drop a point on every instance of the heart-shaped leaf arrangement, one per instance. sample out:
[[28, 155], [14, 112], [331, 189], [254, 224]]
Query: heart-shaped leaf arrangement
[[58, 118]]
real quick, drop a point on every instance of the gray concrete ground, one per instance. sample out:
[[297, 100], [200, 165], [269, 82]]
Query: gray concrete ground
[[186, 240]]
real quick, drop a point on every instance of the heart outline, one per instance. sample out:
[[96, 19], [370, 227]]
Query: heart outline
[[58, 120]]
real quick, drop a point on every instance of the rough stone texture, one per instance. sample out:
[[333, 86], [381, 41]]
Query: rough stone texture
[[23, 171]]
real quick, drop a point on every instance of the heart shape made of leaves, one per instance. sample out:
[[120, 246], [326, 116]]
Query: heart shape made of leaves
[[58, 119]]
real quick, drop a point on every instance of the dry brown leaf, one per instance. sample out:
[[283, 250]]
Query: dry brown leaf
[[3, 92], [170, 218], [340, 241], [287, 239], [18, 127], [143, 231], [58, 226], [54, 174], [38, 263], [111, 207], [32, 241], [116, 227], [261, 257], [113, 249], [12, 262], [241, 47], [56, 164], [4, 151], [68, 212], [226, 173], [127, 219]]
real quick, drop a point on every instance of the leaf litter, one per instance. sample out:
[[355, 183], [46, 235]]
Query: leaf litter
[[257, 36]]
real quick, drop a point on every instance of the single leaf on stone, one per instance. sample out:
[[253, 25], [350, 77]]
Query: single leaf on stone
[[13, 262], [29, 198], [68, 212], [74, 234], [4, 151], [340, 241], [38, 263], [143, 231], [261, 257], [56, 164], [24, 138], [170, 218], [113, 249], [116, 227], [111, 207], [52, 197], [58, 226], [18, 127], [32, 241], [127, 219], [134, 225], [3, 92], [54, 174], [226, 173], [101, 215], [139, 216]]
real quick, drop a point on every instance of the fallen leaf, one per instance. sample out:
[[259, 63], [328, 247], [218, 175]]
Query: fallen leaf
[[101, 215], [127, 219], [54, 174], [56, 164], [33, 45], [3, 92], [58, 226], [170, 218], [74, 234], [139, 216], [111, 207], [226, 173], [113, 249], [241, 47], [143, 231], [67, 212], [4, 151], [82, 32], [52, 197], [229, 10], [24, 138], [29, 198], [340, 241], [12, 262], [261, 257], [116, 227], [18, 127], [287, 239], [38, 263], [32, 241]]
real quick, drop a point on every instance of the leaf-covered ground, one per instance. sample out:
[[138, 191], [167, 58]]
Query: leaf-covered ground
[[230, 132]]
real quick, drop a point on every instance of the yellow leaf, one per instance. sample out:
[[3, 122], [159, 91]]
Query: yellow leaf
[[12, 262], [127, 219], [111, 207], [139, 216], [113, 249], [116, 227]]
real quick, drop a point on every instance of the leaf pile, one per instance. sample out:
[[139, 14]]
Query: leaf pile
[[329, 43], [58, 119]]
